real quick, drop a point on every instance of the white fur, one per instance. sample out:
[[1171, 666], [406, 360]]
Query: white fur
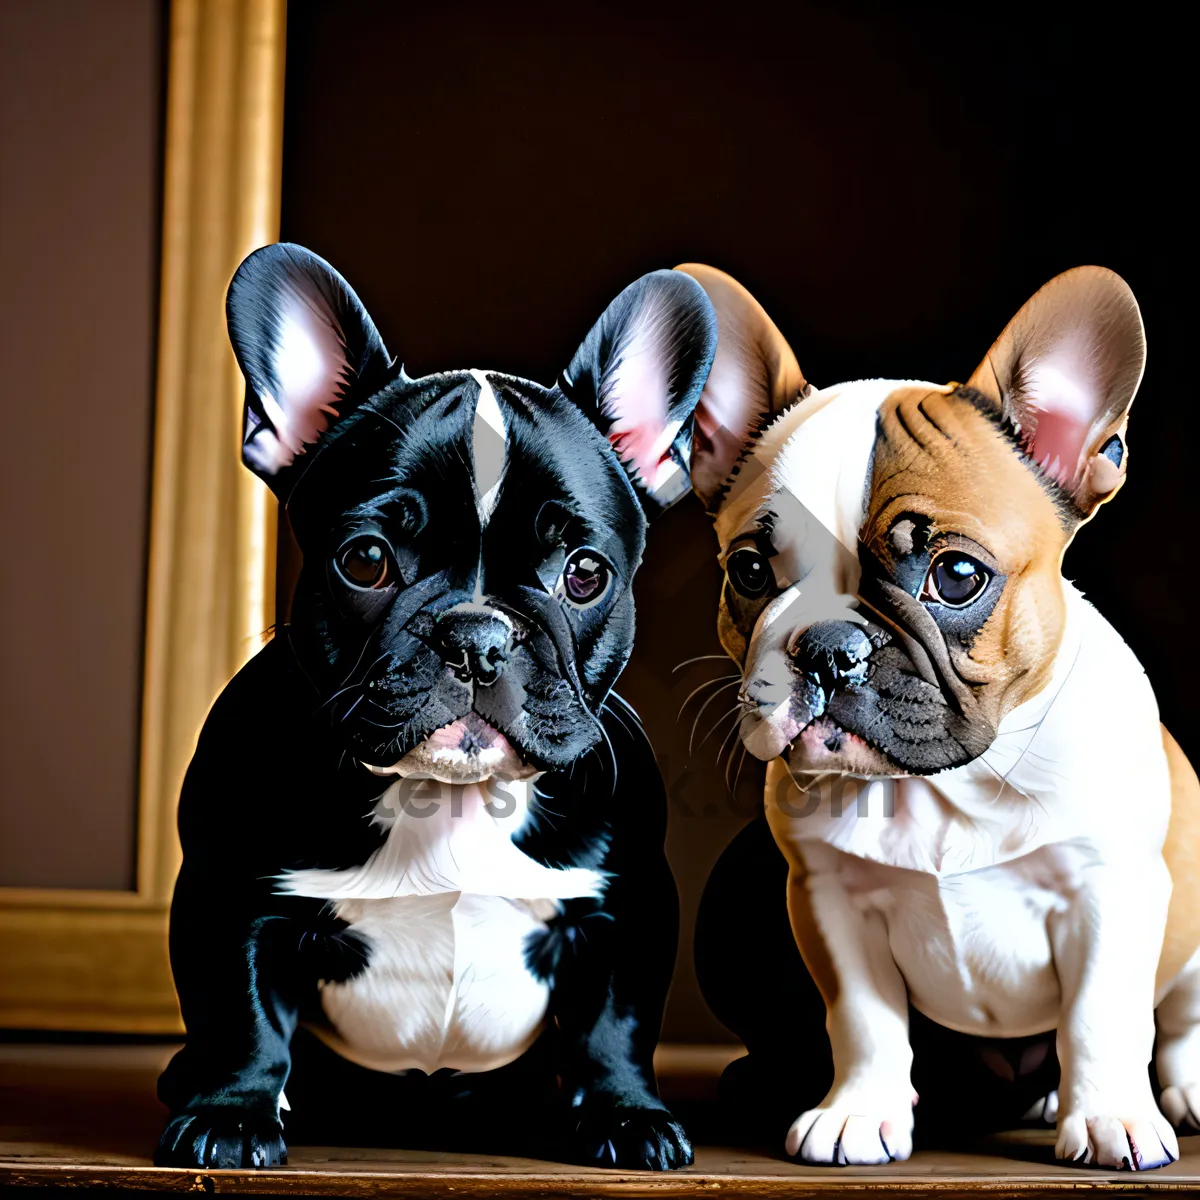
[[810, 469], [1022, 892], [490, 447], [825, 468], [447, 905]]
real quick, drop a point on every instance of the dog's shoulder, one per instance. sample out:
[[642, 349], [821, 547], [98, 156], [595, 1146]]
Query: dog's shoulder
[[267, 773], [1104, 715]]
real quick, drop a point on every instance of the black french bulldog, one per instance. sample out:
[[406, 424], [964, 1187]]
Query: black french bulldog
[[419, 822]]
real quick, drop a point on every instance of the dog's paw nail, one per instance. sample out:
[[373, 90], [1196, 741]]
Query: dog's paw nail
[[1118, 1143], [852, 1130], [221, 1140], [632, 1139]]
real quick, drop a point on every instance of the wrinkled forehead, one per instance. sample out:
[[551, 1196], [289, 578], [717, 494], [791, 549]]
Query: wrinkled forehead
[[502, 446], [810, 468]]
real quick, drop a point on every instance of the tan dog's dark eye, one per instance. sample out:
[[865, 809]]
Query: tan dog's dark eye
[[955, 580], [750, 573], [365, 563]]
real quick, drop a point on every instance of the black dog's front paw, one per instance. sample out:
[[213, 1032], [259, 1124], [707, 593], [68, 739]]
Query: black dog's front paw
[[219, 1138], [639, 1139]]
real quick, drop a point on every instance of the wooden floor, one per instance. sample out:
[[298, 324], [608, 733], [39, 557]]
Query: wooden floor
[[76, 1116]]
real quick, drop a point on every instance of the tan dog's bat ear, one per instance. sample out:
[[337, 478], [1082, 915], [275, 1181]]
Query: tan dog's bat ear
[[754, 376], [1063, 375]]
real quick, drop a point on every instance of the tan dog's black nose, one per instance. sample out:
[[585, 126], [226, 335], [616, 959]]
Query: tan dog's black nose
[[832, 652], [475, 642]]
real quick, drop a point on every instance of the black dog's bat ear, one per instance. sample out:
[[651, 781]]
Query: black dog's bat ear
[[639, 374], [754, 377], [309, 352]]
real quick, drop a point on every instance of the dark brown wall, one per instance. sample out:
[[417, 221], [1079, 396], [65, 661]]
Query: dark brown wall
[[892, 181], [80, 91]]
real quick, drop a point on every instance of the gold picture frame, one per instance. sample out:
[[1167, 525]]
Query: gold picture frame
[[97, 960]]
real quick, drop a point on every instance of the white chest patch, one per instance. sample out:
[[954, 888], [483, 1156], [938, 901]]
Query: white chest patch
[[447, 905], [974, 948]]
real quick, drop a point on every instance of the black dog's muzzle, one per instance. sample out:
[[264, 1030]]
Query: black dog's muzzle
[[475, 642]]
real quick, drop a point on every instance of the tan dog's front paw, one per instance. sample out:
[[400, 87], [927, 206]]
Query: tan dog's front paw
[[1133, 1143], [853, 1128], [1181, 1106], [1044, 1109]]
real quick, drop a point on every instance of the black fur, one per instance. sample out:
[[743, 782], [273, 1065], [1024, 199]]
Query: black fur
[[364, 674]]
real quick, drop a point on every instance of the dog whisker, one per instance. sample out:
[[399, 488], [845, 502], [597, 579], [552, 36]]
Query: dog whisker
[[737, 773], [696, 722], [346, 715], [733, 731], [616, 715], [695, 691], [613, 755], [346, 686], [699, 658], [736, 710]]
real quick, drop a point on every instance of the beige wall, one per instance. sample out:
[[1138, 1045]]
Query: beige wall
[[80, 92]]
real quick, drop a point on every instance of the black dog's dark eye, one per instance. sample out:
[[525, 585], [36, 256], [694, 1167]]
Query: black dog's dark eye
[[585, 578], [750, 573], [955, 579], [365, 563]]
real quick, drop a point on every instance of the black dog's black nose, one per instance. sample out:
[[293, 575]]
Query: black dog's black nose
[[475, 642], [835, 652]]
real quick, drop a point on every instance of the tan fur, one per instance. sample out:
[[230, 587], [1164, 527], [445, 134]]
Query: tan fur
[[808, 935], [1182, 853], [939, 456]]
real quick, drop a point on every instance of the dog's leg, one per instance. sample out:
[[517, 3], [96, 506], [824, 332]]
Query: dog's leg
[[1106, 945], [609, 983], [1178, 1054], [223, 1088], [608, 1002], [1178, 1015], [756, 984], [867, 1115]]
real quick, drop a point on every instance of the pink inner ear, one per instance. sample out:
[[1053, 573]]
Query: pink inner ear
[[1057, 446], [1063, 402], [636, 398], [310, 364], [636, 447]]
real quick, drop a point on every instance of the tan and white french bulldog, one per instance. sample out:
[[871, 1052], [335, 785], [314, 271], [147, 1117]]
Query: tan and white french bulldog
[[982, 817]]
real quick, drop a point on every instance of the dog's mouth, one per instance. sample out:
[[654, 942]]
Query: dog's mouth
[[468, 750], [816, 744], [824, 745]]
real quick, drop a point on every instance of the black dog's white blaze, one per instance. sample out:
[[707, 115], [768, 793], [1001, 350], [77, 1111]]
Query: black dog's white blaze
[[448, 905], [489, 446]]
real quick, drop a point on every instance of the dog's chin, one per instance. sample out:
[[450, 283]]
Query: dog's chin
[[468, 750], [824, 745]]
